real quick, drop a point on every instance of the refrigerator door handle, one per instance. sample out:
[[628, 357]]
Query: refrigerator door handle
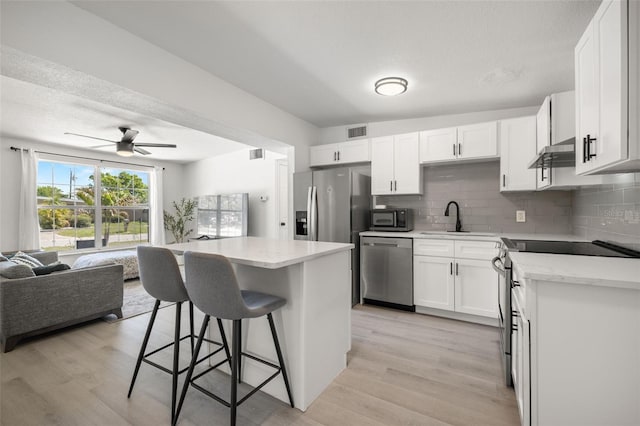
[[309, 222], [313, 213]]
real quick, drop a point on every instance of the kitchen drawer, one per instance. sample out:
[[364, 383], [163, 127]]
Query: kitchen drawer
[[429, 247], [481, 250]]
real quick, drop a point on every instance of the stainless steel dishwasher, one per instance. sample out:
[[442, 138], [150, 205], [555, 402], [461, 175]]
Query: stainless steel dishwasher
[[386, 268]]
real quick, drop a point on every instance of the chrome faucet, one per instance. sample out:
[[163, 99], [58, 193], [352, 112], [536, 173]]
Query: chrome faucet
[[446, 213]]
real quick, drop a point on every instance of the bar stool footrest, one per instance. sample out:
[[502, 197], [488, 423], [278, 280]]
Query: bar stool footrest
[[253, 390], [168, 371]]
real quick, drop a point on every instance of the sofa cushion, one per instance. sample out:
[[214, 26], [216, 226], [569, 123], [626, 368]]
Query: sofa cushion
[[46, 270], [13, 270], [24, 259], [2, 258]]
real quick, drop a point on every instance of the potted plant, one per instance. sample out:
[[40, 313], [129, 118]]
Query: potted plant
[[177, 223]]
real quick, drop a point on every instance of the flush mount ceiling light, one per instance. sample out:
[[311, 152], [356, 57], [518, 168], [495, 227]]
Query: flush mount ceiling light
[[391, 86]]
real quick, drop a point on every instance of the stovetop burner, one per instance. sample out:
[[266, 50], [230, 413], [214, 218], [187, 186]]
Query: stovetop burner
[[594, 248]]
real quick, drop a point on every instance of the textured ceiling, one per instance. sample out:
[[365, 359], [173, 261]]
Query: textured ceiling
[[319, 60]]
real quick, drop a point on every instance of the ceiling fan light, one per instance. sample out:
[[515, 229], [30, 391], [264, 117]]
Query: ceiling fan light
[[124, 149], [391, 86]]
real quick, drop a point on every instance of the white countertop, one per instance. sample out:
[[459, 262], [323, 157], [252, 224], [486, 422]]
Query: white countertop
[[470, 235], [587, 270], [262, 252]]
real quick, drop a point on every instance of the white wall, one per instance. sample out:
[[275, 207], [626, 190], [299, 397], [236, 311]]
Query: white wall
[[10, 182], [386, 128], [81, 42], [234, 172]]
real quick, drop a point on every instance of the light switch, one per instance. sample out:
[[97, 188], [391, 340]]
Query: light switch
[[521, 216]]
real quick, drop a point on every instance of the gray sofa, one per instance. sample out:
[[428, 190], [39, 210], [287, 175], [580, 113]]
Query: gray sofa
[[38, 304]]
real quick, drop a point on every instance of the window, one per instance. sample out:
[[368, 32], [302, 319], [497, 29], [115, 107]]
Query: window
[[73, 217]]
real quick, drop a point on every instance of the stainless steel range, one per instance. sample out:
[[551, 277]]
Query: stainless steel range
[[502, 264]]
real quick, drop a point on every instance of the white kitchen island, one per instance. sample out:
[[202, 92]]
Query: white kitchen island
[[314, 327]]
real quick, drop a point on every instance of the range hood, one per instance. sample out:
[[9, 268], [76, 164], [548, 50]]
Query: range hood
[[559, 155]]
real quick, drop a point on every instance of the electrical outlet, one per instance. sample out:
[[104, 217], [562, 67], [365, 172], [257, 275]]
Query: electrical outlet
[[521, 216]]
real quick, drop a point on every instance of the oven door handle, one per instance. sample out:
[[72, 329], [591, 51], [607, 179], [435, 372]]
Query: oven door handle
[[499, 269]]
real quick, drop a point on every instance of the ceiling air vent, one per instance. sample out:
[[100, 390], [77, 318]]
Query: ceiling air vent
[[356, 132], [256, 154]]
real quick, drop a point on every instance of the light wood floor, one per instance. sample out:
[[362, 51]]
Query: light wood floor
[[403, 369]]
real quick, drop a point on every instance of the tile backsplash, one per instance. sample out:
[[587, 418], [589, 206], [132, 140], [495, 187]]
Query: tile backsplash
[[609, 212], [483, 208]]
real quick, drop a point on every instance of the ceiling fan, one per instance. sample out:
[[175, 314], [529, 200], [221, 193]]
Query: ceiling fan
[[126, 146]]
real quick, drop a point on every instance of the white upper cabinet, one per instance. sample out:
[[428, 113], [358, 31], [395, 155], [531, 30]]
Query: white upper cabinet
[[607, 76], [340, 153], [517, 148], [395, 166], [438, 145], [478, 141]]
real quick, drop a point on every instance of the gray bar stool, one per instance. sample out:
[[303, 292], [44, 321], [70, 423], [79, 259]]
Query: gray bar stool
[[160, 276], [212, 286]]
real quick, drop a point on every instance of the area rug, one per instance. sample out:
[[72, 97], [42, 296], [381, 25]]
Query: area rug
[[135, 301]]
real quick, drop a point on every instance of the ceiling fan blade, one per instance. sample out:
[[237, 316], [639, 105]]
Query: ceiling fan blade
[[128, 135], [157, 145], [90, 137], [101, 146], [141, 151]]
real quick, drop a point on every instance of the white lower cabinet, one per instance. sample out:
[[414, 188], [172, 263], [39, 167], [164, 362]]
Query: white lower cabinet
[[575, 352], [433, 282], [520, 351], [455, 275]]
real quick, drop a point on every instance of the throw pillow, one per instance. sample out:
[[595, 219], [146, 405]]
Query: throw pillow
[[13, 270], [46, 270], [24, 259], [2, 258]]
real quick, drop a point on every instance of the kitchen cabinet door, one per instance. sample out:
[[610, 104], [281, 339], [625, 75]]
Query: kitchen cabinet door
[[517, 149], [521, 366], [607, 75], [382, 163], [407, 173], [478, 141], [354, 151], [433, 282], [438, 145], [476, 288], [322, 155]]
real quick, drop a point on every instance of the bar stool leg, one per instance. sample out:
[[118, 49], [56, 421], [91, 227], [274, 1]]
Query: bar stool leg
[[240, 351], [280, 360], [192, 364], [234, 370], [224, 342], [176, 357], [191, 326], [143, 348]]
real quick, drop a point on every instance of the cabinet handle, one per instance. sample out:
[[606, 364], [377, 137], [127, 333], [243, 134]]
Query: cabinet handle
[[390, 185], [459, 149], [589, 154], [542, 176], [335, 157], [454, 149], [584, 150], [395, 185], [515, 283], [514, 314], [451, 268], [504, 180], [338, 155], [456, 268], [514, 327]]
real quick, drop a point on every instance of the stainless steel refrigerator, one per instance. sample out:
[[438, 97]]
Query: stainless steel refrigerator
[[333, 205]]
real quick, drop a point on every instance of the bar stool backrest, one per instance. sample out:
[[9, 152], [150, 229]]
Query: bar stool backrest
[[212, 286], [160, 274]]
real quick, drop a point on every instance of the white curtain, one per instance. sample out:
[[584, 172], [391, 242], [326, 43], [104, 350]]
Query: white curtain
[[156, 220], [28, 224]]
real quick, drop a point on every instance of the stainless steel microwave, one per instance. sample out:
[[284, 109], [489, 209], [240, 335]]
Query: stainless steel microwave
[[392, 220]]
